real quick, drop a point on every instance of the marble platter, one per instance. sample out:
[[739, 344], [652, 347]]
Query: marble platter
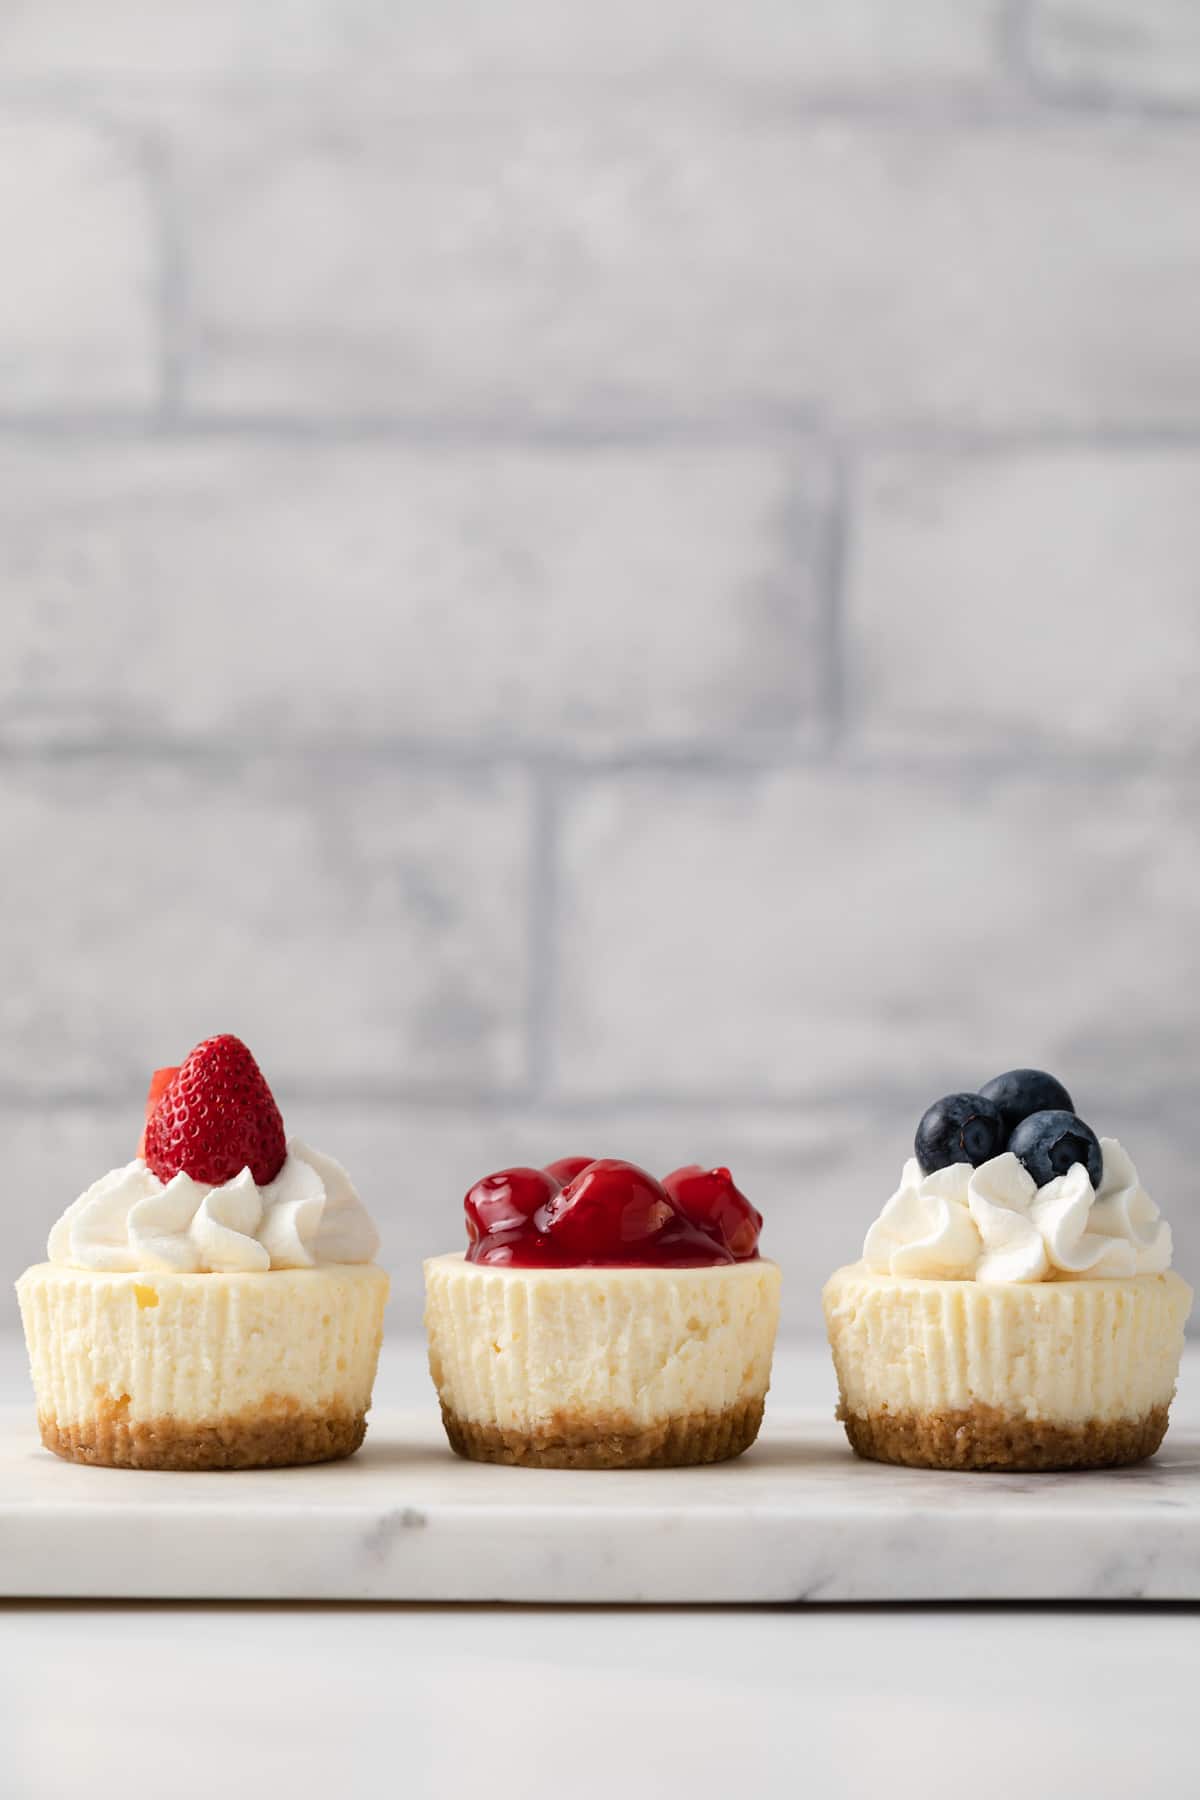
[[797, 1519]]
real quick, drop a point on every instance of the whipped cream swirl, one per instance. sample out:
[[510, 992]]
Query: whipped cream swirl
[[994, 1224], [130, 1220]]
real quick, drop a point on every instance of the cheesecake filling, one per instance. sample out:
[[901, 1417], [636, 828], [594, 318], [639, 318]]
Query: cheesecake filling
[[1074, 1351], [606, 1352], [173, 1353]]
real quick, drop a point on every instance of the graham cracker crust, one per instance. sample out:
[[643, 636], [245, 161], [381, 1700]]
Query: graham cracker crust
[[568, 1441], [270, 1438], [984, 1438]]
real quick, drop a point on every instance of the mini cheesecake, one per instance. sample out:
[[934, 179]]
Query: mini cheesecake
[[154, 1370], [213, 1303], [1046, 1375], [548, 1351], [1014, 1307], [594, 1368]]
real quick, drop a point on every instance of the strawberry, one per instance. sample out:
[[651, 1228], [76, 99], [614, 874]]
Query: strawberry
[[216, 1118], [160, 1081]]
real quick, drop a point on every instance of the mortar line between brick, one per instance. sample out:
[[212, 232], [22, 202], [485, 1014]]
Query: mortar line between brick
[[768, 432], [169, 285], [542, 932], [733, 762], [37, 745], [988, 103], [1013, 33], [838, 527], [916, 438], [364, 1095], [431, 433]]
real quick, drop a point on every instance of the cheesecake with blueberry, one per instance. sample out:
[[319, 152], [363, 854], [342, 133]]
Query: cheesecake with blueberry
[[1014, 1306], [213, 1303], [602, 1319]]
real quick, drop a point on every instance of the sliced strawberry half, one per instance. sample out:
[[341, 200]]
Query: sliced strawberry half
[[216, 1118], [160, 1081]]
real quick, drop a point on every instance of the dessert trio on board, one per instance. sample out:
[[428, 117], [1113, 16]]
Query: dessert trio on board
[[215, 1302]]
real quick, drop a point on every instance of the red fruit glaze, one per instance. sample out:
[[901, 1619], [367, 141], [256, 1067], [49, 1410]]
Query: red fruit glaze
[[612, 1214], [710, 1199], [217, 1118], [567, 1168], [507, 1200], [610, 1207], [160, 1081]]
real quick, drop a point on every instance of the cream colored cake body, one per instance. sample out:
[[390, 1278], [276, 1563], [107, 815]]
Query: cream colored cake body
[[601, 1367], [160, 1370], [963, 1374]]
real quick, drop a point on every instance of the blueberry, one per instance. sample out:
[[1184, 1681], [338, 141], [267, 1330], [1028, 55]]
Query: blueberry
[[1020, 1092], [1048, 1143], [959, 1128]]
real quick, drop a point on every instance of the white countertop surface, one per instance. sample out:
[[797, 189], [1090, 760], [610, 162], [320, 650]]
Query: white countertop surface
[[185, 1700]]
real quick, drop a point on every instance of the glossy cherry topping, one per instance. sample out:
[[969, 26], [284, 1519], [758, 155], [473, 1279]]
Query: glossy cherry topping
[[606, 1213], [568, 1167], [507, 1201], [711, 1199]]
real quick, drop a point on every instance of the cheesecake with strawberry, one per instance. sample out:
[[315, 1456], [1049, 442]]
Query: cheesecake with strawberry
[[214, 1303], [601, 1319]]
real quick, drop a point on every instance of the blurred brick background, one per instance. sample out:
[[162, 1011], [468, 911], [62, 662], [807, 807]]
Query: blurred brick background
[[611, 578]]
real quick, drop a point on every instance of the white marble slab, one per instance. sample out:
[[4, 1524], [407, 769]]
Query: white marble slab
[[797, 1519]]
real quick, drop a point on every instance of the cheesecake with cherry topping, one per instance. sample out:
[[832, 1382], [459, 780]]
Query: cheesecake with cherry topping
[[602, 1319]]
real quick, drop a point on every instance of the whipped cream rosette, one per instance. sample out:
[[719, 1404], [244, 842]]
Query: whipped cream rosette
[[308, 1215], [994, 1224]]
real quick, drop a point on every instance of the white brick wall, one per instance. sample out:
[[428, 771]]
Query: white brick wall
[[1143, 49], [652, 256], [359, 924], [608, 597], [1024, 604], [612, 577], [811, 934], [77, 270], [824, 44]]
